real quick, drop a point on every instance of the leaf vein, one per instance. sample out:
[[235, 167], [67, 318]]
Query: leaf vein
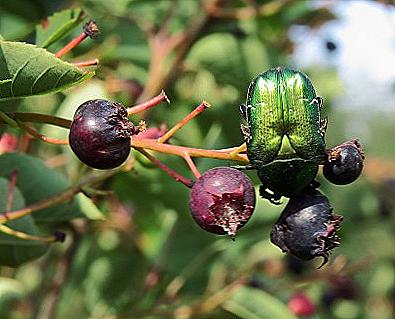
[[18, 71], [39, 77], [57, 82]]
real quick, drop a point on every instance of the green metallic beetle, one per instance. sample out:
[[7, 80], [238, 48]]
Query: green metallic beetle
[[283, 131]]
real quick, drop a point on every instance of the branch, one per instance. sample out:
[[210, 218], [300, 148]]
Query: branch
[[162, 46], [161, 97], [38, 118], [228, 154], [68, 194], [199, 109], [41, 137], [176, 176]]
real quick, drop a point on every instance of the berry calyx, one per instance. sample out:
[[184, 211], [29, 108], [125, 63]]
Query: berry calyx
[[307, 227], [100, 134], [344, 163], [222, 200]]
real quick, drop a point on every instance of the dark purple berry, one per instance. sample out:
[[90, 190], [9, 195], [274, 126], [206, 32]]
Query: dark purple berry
[[307, 227], [222, 200], [344, 163], [100, 134], [340, 287]]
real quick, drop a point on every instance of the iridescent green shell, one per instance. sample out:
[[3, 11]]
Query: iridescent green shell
[[284, 131]]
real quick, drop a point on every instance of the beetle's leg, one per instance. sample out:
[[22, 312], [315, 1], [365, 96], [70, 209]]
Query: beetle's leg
[[245, 130], [320, 101], [273, 198], [243, 111], [323, 126]]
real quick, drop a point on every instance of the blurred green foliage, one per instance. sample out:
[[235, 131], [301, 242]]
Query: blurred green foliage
[[148, 259]]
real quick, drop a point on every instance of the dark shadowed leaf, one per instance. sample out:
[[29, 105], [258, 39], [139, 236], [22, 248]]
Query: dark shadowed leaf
[[57, 26], [15, 251], [38, 182]]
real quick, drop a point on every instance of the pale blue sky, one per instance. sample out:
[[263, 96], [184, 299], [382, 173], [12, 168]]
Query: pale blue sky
[[365, 54]]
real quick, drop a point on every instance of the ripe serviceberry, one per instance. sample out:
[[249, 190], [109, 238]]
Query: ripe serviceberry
[[100, 134], [222, 200], [344, 163], [307, 227]]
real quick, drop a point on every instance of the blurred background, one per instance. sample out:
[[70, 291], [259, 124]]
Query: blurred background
[[148, 259]]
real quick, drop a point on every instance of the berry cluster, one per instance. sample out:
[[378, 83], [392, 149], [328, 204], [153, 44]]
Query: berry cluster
[[222, 200]]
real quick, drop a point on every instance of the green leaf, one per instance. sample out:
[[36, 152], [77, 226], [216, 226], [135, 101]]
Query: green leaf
[[88, 208], [251, 303], [27, 70], [230, 60], [225, 59], [25, 9], [58, 26], [11, 290], [38, 182], [1, 37], [15, 251]]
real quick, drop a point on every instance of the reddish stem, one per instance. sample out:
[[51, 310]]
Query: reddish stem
[[192, 165], [87, 63], [176, 176], [148, 104], [41, 137], [90, 30], [11, 191], [199, 109], [71, 45]]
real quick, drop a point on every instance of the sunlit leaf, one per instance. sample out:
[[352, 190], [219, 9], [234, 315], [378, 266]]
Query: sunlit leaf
[[10, 290], [88, 208], [26, 70]]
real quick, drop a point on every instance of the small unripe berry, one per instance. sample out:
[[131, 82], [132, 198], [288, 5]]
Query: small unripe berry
[[301, 305], [222, 200], [100, 134], [307, 227], [344, 163], [8, 143]]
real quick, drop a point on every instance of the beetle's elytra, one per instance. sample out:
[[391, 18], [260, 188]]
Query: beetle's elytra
[[284, 131]]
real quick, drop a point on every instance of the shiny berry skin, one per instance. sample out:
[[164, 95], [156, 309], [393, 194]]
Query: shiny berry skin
[[100, 134], [307, 227], [222, 200], [344, 163]]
